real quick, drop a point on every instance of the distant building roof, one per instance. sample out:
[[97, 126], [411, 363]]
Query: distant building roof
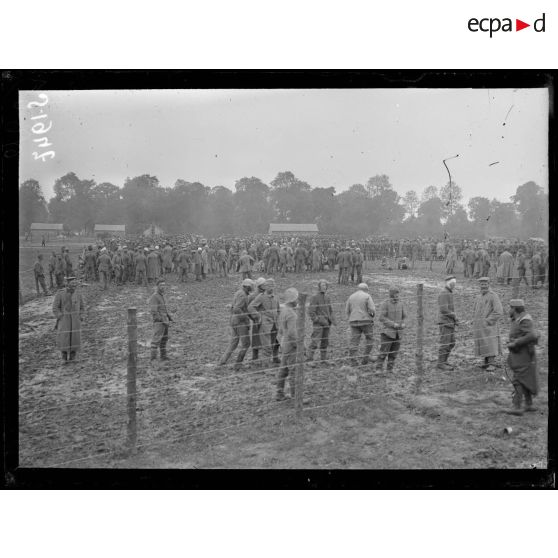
[[110, 228], [47, 226], [293, 227]]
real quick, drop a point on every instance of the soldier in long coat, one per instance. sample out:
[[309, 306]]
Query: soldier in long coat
[[68, 309], [141, 268], [59, 270], [153, 266], [288, 333], [522, 358], [505, 265], [487, 312]]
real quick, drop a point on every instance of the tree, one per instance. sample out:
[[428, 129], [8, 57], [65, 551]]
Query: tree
[[325, 207], [73, 203], [221, 214], [291, 198], [479, 213], [378, 184], [458, 224], [428, 193], [429, 215], [503, 219], [532, 205], [32, 205], [411, 203], [140, 196], [451, 196], [252, 207]]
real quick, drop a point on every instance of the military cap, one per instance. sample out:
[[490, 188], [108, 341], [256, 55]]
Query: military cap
[[516, 302], [487, 279], [450, 277]]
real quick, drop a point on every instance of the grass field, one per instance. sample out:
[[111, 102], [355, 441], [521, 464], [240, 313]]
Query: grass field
[[192, 414]]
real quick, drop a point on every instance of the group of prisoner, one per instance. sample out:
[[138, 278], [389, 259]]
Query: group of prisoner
[[144, 261]]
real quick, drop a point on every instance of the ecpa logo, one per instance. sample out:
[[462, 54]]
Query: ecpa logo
[[494, 24]]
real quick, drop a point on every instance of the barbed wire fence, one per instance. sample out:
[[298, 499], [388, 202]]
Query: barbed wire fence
[[131, 407]]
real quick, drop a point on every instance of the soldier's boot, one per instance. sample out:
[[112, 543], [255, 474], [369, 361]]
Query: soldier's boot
[[529, 407], [164, 355], [516, 402], [379, 365], [280, 394], [64, 357], [310, 357], [292, 386], [365, 360], [239, 360], [390, 365], [72, 355], [153, 352], [323, 358], [255, 353]]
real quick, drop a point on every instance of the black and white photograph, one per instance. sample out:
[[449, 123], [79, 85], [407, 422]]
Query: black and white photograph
[[320, 278]]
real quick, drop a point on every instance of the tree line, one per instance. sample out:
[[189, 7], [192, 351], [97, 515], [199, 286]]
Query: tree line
[[362, 210]]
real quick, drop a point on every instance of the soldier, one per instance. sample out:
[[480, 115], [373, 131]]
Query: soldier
[[447, 321], [487, 312], [39, 272], [287, 331], [51, 269], [240, 325], [197, 259], [245, 265], [141, 267], [300, 258], [104, 268], [522, 358], [345, 262], [221, 259], [283, 260], [68, 263], [126, 265], [331, 257], [184, 260], [68, 309], [360, 312], [264, 309], [320, 312], [392, 317], [153, 266], [521, 267], [90, 263], [161, 321], [357, 266], [255, 338], [59, 270], [117, 266]]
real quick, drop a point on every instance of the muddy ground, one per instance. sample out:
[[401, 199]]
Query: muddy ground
[[192, 414]]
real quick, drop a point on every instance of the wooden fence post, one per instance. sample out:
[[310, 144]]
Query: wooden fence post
[[299, 369], [131, 377], [420, 331]]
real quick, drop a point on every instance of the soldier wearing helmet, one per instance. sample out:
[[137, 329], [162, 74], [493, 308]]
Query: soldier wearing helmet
[[287, 331]]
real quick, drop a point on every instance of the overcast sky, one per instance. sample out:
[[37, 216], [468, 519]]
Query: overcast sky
[[327, 137]]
